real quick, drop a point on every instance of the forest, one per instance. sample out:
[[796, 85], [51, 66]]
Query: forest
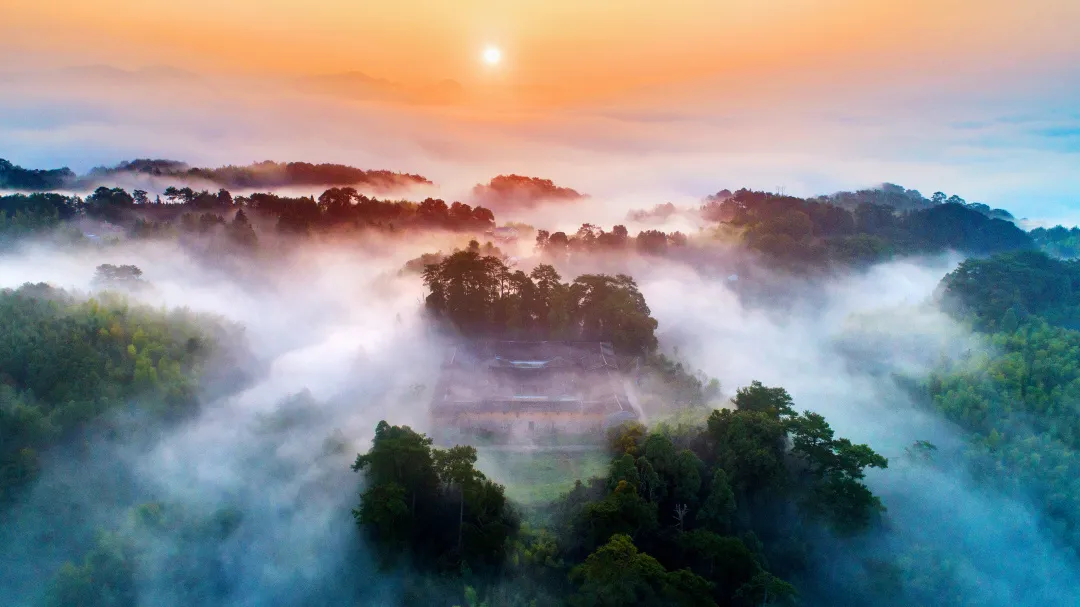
[[792, 234], [266, 174], [712, 514], [510, 191], [480, 296], [1018, 399], [749, 496], [67, 362], [799, 232]]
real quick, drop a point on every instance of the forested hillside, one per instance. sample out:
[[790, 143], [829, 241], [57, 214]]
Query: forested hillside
[[480, 296], [727, 498], [1019, 397], [266, 174], [798, 232], [715, 514], [793, 234], [64, 363]]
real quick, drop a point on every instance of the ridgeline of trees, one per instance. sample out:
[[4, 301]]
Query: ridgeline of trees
[[474, 293], [790, 232], [481, 296], [23, 215], [184, 210], [266, 174], [64, 363], [592, 239], [1019, 398], [719, 514], [1003, 291], [517, 191], [1059, 241], [345, 208], [14, 177], [904, 201], [812, 232], [417, 264], [659, 213], [899, 199]]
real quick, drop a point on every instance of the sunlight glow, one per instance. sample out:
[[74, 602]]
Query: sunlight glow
[[492, 55]]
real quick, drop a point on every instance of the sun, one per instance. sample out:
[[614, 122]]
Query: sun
[[492, 55]]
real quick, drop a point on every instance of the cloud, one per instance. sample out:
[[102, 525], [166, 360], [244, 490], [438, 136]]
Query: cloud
[[632, 152], [836, 346], [337, 345]]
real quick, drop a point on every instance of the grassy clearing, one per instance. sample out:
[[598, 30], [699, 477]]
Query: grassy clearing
[[537, 476]]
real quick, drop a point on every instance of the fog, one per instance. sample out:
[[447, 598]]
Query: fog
[[836, 350], [335, 345], [326, 339]]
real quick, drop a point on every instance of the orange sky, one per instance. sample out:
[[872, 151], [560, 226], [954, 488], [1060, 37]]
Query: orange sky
[[579, 45]]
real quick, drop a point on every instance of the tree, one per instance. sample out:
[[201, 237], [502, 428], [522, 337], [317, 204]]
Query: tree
[[551, 299], [617, 574], [687, 478], [756, 397], [766, 589], [623, 470], [660, 452], [110, 275], [455, 469], [109, 203], [557, 243], [921, 451], [652, 242], [414, 492], [612, 309], [385, 512], [337, 204], [483, 215], [750, 446], [726, 561], [460, 212], [240, 230], [106, 578], [622, 511], [652, 486], [400, 455], [681, 510], [489, 524], [719, 506], [838, 466], [478, 295], [625, 438]]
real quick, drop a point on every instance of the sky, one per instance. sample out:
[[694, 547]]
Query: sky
[[628, 99]]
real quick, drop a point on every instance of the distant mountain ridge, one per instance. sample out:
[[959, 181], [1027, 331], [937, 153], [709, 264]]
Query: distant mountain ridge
[[507, 191], [265, 174], [14, 177], [896, 197]]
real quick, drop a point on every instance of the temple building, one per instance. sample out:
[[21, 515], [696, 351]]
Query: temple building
[[518, 388]]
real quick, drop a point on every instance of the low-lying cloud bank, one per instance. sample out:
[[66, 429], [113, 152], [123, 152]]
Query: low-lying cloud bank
[[337, 343], [838, 348]]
